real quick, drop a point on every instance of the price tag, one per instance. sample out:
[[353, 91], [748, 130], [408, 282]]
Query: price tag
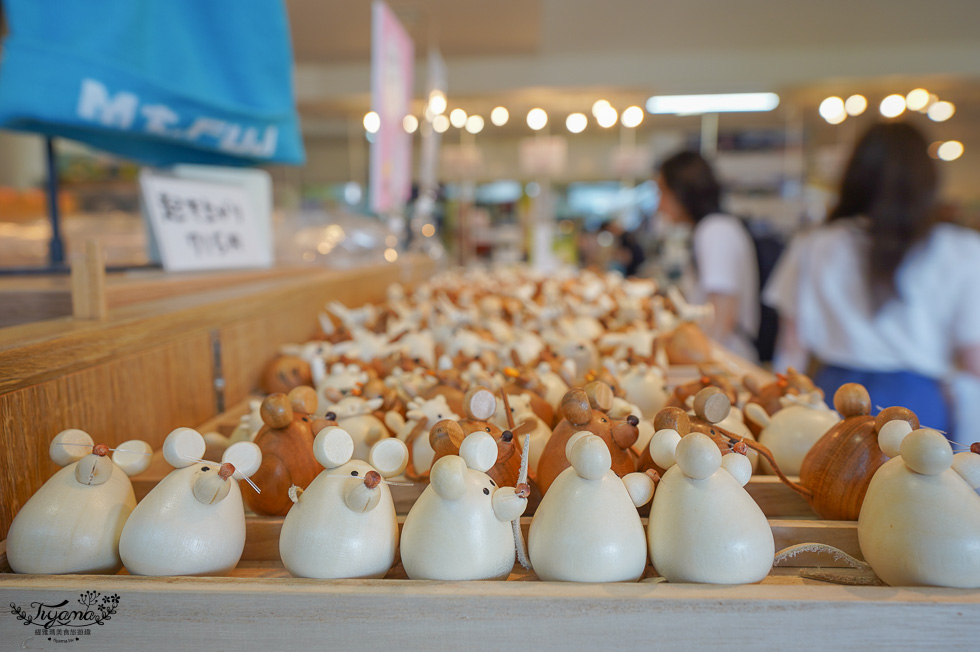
[[203, 225]]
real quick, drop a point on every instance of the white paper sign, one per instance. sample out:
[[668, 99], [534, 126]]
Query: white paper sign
[[201, 225]]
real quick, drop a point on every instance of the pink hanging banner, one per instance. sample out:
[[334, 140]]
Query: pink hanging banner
[[392, 66]]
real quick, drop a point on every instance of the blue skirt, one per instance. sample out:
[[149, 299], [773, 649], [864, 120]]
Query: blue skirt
[[921, 394]]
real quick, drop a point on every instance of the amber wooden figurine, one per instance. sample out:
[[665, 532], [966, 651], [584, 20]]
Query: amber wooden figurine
[[286, 442]]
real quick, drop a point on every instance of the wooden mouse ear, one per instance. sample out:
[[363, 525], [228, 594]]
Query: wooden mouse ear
[[70, 446], [133, 456], [333, 447], [673, 418], [183, 447], [575, 407], [893, 425], [276, 411], [479, 451], [445, 437], [712, 405], [479, 404], [389, 456], [600, 395], [852, 400], [302, 399], [245, 456]]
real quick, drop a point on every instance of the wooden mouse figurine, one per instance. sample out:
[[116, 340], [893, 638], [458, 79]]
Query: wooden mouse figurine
[[193, 521], [73, 522], [479, 405], [586, 528], [422, 415], [835, 474], [711, 407], [284, 372], [704, 526], [768, 395], [585, 409], [460, 527], [344, 524], [286, 442], [920, 520], [790, 433]]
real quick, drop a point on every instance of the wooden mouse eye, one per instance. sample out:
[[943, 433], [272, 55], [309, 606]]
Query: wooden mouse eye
[[486, 492], [205, 468]]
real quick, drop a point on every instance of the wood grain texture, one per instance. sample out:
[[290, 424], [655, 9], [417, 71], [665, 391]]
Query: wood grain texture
[[839, 468], [152, 393], [147, 368]]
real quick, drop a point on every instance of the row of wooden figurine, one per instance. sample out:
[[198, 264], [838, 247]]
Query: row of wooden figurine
[[919, 523]]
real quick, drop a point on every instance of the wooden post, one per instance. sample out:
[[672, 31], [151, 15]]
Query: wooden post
[[88, 298]]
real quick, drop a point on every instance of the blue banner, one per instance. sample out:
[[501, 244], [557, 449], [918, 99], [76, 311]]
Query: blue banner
[[158, 81]]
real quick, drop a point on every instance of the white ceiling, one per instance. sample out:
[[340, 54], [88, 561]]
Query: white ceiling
[[561, 53]]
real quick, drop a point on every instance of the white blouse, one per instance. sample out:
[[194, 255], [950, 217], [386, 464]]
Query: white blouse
[[819, 282], [727, 264]]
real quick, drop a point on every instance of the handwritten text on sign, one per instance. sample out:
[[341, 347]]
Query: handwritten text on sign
[[202, 225]]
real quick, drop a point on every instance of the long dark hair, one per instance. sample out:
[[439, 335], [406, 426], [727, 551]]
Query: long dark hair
[[891, 180], [693, 182]]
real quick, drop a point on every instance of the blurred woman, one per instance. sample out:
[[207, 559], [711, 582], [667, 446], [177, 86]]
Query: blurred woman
[[882, 294], [724, 257]]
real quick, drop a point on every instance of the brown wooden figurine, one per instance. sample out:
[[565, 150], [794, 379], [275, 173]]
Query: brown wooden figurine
[[285, 372], [768, 394], [479, 405], [286, 442], [838, 469], [585, 409]]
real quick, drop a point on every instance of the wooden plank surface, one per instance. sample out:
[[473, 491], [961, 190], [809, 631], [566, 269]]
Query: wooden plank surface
[[275, 614]]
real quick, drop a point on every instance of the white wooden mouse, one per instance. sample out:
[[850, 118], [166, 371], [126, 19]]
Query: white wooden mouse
[[193, 521], [586, 528], [459, 528], [344, 524], [422, 415], [704, 526], [644, 386], [355, 414], [791, 432], [920, 520], [73, 522]]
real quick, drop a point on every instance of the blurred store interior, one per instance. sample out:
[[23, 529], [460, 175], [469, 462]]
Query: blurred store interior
[[563, 56]]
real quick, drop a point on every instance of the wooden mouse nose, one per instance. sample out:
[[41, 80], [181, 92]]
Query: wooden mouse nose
[[226, 470]]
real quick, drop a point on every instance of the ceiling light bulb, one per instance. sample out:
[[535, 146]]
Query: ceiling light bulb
[[410, 123], [917, 99], [632, 117], [950, 150], [440, 124], [372, 122], [537, 119], [576, 122], [599, 107], [892, 106], [499, 116], [474, 124], [832, 108], [855, 104], [607, 117], [457, 118], [437, 103], [941, 111]]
